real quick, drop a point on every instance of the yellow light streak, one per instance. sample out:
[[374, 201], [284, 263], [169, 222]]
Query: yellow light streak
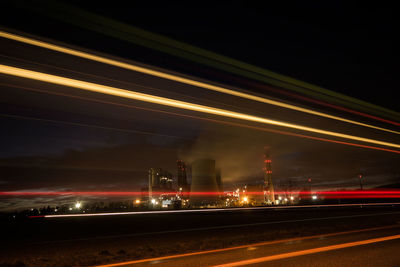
[[180, 79], [108, 90]]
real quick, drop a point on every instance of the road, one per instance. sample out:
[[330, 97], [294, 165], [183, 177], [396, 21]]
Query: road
[[100, 240], [339, 249]]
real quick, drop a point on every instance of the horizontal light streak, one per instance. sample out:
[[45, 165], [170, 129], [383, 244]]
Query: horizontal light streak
[[108, 90], [342, 193], [179, 79], [207, 210]]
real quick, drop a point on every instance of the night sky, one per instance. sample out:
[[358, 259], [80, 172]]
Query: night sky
[[56, 143]]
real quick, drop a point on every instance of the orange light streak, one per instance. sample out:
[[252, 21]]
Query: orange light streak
[[245, 246], [208, 119], [308, 251], [108, 90]]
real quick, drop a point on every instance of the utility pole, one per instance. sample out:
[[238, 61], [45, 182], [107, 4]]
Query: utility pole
[[360, 179]]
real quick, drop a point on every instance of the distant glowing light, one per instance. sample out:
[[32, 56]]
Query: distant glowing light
[[137, 201], [291, 198], [153, 201], [78, 205], [314, 197], [245, 199], [108, 90]]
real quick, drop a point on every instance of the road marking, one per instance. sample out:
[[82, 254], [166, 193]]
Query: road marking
[[308, 251], [247, 246]]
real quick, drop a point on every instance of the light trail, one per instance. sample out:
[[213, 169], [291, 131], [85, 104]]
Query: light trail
[[179, 79], [206, 119], [232, 209], [342, 193], [108, 90], [308, 251], [323, 103]]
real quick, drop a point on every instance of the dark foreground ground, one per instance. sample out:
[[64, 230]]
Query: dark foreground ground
[[86, 241]]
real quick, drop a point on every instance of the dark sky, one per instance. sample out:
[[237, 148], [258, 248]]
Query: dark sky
[[342, 46], [78, 145]]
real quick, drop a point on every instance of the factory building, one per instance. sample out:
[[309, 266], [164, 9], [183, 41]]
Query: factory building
[[159, 181], [253, 195]]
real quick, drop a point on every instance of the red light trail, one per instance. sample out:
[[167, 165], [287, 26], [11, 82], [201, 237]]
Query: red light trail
[[323, 194]]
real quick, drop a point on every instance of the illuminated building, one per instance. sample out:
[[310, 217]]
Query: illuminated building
[[159, 181], [254, 195], [269, 194], [204, 188]]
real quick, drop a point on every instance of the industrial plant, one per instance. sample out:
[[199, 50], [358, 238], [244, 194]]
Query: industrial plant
[[205, 189]]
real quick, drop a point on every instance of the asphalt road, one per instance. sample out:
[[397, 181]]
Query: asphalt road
[[99, 240], [300, 252]]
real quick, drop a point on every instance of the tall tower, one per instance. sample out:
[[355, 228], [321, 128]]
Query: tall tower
[[269, 194]]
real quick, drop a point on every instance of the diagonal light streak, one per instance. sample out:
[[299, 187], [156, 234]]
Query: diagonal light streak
[[180, 79], [108, 90], [209, 120]]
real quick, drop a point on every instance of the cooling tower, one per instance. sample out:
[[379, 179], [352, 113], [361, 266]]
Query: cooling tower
[[204, 181]]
